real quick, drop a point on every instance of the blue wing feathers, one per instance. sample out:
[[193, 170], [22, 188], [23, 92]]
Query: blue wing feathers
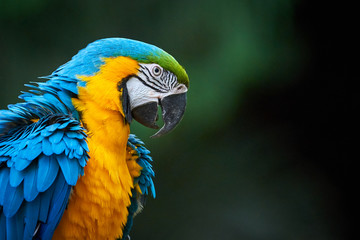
[[145, 181], [16, 177], [82, 161], [2, 225], [33, 151], [56, 137], [52, 128], [64, 125], [13, 225], [58, 148], [12, 200], [46, 147], [45, 201], [84, 146], [32, 210], [4, 179], [144, 160], [47, 172], [30, 190], [43, 161], [51, 98], [56, 209], [21, 163], [70, 168]]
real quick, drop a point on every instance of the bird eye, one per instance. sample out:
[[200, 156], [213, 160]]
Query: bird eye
[[157, 71]]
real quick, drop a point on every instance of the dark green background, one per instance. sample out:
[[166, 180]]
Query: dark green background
[[259, 154]]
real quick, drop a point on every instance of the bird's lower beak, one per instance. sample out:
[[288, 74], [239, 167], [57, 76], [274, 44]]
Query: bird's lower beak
[[173, 109]]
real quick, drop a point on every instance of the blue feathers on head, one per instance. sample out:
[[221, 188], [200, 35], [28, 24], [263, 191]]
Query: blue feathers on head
[[88, 61]]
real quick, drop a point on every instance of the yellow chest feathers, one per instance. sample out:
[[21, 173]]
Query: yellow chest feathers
[[98, 205]]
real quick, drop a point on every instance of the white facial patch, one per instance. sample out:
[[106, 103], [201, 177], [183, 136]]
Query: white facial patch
[[151, 84], [140, 94]]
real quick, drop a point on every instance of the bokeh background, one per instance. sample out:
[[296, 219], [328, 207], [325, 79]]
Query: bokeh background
[[260, 153]]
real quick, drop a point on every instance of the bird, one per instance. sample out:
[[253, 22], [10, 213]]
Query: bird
[[69, 166]]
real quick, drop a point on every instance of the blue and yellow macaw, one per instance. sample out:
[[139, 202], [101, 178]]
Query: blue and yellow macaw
[[69, 167]]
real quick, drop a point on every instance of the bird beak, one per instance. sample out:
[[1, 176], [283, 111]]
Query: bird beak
[[173, 109]]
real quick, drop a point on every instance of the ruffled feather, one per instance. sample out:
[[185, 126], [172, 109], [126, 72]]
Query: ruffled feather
[[43, 159]]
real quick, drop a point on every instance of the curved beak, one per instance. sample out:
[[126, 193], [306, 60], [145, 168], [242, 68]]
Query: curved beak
[[173, 109]]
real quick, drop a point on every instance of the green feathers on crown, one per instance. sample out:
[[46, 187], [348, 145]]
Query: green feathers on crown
[[169, 63]]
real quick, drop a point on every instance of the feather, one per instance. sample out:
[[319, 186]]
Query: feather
[[36, 138], [59, 147], [79, 150], [30, 190], [33, 151], [82, 161], [71, 143], [84, 145], [46, 147], [56, 137], [76, 128], [48, 169], [57, 207], [152, 188], [51, 98], [4, 179], [29, 168], [20, 163], [45, 200], [2, 225], [145, 181], [64, 125], [10, 164], [70, 87], [52, 127], [13, 224], [70, 169], [4, 159], [16, 177], [12, 201], [31, 218], [74, 135]]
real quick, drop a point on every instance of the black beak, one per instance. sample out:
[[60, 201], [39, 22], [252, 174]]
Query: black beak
[[173, 109]]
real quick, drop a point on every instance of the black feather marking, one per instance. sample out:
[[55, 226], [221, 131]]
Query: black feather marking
[[125, 99]]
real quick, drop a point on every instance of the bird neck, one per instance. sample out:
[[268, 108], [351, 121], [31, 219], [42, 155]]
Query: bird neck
[[107, 182], [98, 102], [106, 129]]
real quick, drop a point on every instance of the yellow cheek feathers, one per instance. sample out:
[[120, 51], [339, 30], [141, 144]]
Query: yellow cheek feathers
[[102, 88]]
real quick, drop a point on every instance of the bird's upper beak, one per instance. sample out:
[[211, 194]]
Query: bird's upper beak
[[173, 109]]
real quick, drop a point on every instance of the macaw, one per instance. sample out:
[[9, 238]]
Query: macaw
[[69, 167]]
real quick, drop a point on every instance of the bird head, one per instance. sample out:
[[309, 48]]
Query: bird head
[[133, 78]]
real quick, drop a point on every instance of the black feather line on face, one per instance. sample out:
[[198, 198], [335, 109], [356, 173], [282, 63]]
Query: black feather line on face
[[125, 99]]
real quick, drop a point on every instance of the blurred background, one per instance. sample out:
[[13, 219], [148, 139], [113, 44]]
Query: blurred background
[[260, 153]]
